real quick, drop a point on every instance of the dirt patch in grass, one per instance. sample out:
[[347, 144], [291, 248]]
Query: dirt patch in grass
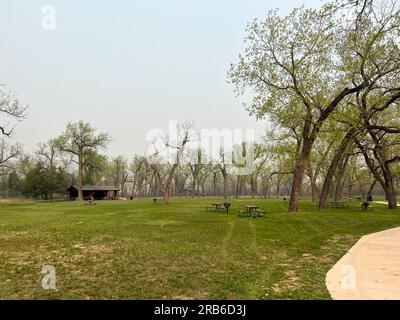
[[13, 234], [163, 223], [291, 282]]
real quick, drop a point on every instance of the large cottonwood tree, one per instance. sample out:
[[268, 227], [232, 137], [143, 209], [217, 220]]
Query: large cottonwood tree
[[80, 139], [305, 65]]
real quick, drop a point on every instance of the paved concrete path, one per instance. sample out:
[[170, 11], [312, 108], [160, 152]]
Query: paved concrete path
[[384, 202], [370, 270]]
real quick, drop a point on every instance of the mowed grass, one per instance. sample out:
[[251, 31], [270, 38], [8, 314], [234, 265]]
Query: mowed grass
[[138, 250]]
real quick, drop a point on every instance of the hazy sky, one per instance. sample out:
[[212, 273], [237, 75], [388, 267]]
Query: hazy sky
[[127, 66]]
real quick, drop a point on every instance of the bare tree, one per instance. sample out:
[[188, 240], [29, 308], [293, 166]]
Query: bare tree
[[177, 148], [8, 152], [11, 109], [223, 167]]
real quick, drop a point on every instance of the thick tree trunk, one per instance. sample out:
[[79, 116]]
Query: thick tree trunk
[[392, 199], [314, 188], [387, 182], [253, 187], [326, 189], [193, 187], [299, 171], [167, 187], [338, 189], [215, 184], [389, 188], [297, 182], [339, 179]]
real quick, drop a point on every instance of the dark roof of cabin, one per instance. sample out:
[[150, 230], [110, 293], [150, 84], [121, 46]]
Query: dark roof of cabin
[[95, 188]]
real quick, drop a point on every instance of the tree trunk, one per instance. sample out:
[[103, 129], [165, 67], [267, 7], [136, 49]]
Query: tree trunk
[[266, 191], [198, 188], [278, 186], [389, 187], [297, 182], [314, 188], [299, 171], [326, 189], [253, 187], [225, 186], [339, 181], [237, 187], [387, 181], [193, 187], [80, 182], [350, 189], [371, 188], [215, 184], [167, 187]]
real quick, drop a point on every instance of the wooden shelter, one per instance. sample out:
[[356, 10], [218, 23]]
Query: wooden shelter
[[94, 192]]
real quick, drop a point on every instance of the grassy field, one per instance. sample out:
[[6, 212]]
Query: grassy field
[[137, 250]]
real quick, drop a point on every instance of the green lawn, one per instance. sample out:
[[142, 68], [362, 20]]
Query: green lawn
[[137, 250]]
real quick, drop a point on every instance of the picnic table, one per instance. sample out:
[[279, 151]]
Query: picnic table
[[252, 210], [155, 200], [90, 201], [338, 204]]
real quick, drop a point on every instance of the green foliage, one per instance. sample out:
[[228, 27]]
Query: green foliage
[[13, 184], [79, 137], [42, 182], [95, 167]]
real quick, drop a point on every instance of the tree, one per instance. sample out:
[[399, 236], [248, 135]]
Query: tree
[[119, 173], [176, 147], [10, 109], [13, 183], [95, 167], [195, 166], [54, 166], [339, 154], [305, 65], [141, 171], [43, 182], [223, 166], [8, 152], [316, 164], [81, 141]]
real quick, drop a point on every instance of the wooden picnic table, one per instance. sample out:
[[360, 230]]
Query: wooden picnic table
[[252, 210], [338, 204], [90, 201]]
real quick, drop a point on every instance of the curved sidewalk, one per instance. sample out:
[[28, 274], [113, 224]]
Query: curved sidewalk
[[370, 270]]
